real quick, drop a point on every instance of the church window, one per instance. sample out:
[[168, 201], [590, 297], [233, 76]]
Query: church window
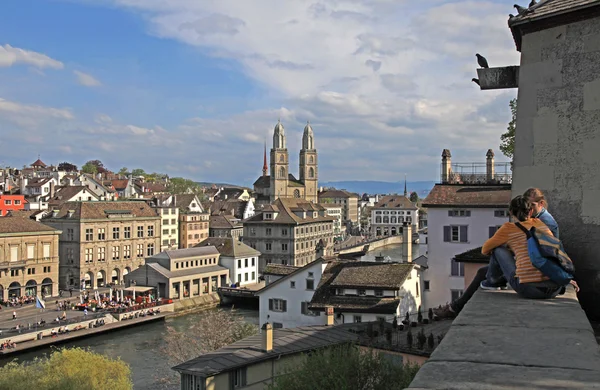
[[312, 160], [296, 193], [311, 172], [281, 158], [282, 173]]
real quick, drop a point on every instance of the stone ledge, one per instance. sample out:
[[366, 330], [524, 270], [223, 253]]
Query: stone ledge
[[501, 341]]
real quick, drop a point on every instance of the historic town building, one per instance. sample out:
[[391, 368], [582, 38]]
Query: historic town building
[[102, 241], [281, 183], [28, 258], [289, 231]]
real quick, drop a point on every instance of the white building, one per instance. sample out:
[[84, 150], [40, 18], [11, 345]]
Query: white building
[[284, 302], [369, 291], [166, 206], [335, 211], [461, 216], [390, 213], [240, 259]]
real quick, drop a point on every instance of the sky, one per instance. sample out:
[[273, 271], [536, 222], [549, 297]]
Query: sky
[[194, 88]]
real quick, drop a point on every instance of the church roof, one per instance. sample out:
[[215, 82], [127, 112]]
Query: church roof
[[38, 163], [293, 182], [263, 182]]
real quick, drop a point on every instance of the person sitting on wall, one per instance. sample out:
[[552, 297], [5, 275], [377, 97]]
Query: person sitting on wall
[[539, 204], [504, 267]]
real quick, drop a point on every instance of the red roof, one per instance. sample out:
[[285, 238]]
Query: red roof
[[38, 163]]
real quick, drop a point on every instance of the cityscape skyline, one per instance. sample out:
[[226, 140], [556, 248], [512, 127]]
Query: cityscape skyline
[[193, 89]]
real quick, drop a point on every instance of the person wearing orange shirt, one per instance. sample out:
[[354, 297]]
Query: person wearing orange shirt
[[508, 268]]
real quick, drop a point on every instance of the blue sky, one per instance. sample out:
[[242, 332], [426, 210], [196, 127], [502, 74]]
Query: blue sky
[[193, 88]]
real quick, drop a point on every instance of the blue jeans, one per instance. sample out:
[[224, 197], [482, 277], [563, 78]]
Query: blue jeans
[[503, 267]]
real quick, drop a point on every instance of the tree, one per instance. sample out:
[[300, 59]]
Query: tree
[[213, 330], [67, 167], [345, 367], [68, 369], [179, 185], [124, 171], [414, 197], [90, 168], [138, 172], [507, 146]]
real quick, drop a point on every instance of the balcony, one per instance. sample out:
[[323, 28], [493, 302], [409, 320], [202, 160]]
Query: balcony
[[477, 173]]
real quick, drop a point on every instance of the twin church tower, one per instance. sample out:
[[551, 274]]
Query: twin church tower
[[281, 183]]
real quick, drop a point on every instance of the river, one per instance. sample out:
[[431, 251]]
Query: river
[[140, 346]]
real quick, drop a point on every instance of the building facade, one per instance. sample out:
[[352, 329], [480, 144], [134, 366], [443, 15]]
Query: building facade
[[28, 258], [289, 231], [335, 211], [461, 216], [103, 241], [225, 226], [281, 183], [182, 273], [240, 259], [348, 201], [390, 213], [9, 202], [193, 220]]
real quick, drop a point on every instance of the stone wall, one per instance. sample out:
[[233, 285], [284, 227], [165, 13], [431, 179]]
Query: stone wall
[[558, 139]]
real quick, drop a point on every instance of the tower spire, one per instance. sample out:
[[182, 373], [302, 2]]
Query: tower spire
[[405, 191], [265, 166]]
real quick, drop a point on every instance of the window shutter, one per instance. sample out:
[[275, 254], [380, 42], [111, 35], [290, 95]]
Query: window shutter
[[468, 213], [270, 302], [463, 234], [450, 213], [492, 231], [303, 307], [446, 233], [284, 305]]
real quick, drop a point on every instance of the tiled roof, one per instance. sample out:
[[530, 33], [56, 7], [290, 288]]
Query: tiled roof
[[360, 274], [102, 209], [223, 222], [233, 207], [120, 184], [191, 252], [548, 10], [37, 182], [472, 256], [155, 187], [184, 201], [337, 194], [229, 193], [395, 201], [450, 195], [185, 272], [229, 247], [38, 163], [65, 193], [249, 350], [279, 269], [286, 207], [13, 225]]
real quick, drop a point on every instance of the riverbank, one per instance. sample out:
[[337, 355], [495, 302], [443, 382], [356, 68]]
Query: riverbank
[[373, 245]]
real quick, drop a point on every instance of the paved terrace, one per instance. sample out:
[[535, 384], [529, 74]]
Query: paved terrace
[[501, 341]]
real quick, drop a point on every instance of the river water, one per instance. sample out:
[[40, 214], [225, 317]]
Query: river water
[[140, 346]]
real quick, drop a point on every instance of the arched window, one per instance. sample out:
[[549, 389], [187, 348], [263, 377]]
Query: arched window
[[393, 219], [311, 172], [282, 173], [377, 219], [312, 160], [296, 193], [281, 158], [386, 219]]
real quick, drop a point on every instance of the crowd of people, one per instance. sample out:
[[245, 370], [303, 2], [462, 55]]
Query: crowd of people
[[8, 344], [18, 301]]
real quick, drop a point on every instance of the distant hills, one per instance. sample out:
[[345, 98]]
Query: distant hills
[[422, 188]]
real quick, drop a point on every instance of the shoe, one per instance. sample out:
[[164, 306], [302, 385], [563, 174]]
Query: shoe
[[444, 312], [487, 285]]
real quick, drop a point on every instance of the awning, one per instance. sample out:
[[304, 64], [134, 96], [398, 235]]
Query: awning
[[139, 289]]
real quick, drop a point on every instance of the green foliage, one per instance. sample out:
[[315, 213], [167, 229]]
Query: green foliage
[[67, 369], [90, 168], [67, 167], [124, 171], [346, 367], [507, 146], [138, 172], [179, 185], [414, 197]]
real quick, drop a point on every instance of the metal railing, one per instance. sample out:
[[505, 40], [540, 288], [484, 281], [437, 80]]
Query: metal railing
[[476, 173]]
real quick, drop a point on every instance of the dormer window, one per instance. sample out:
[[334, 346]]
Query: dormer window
[[268, 216], [339, 291]]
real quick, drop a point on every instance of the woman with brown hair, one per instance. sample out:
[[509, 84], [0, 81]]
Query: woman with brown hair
[[538, 202]]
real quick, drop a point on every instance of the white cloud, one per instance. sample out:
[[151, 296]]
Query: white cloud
[[31, 115], [86, 79], [10, 56]]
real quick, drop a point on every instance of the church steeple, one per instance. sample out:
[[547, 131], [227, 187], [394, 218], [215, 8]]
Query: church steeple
[[279, 164], [405, 191], [265, 166], [308, 164]]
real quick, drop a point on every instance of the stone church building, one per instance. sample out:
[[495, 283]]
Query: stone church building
[[281, 183]]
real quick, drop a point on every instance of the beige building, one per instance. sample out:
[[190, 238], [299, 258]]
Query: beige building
[[225, 226], [288, 232], [183, 273], [390, 213], [335, 211], [347, 200], [28, 258], [103, 241], [281, 183], [165, 206], [193, 220]]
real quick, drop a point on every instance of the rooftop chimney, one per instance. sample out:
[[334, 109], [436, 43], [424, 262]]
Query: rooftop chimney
[[446, 165], [51, 189], [329, 316], [489, 166], [407, 242], [267, 337]]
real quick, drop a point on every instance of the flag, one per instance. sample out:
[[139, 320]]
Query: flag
[[39, 303]]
